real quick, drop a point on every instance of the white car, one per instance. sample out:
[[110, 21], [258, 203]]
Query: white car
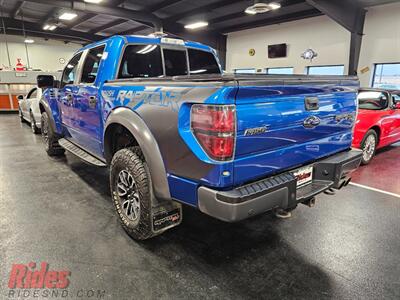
[[29, 108]]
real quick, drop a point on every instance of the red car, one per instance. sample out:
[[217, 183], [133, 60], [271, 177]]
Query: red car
[[378, 121]]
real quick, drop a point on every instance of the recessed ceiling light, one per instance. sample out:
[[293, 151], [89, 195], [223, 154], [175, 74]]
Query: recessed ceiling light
[[29, 41], [93, 1], [196, 25], [274, 5], [68, 16], [261, 7], [50, 27]]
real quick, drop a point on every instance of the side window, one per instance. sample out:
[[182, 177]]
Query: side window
[[91, 65], [372, 100], [202, 62], [141, 61], [175, 62], [32, 94], [70, 70]]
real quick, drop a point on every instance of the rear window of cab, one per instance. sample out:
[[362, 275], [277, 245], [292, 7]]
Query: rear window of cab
[[149, 61]]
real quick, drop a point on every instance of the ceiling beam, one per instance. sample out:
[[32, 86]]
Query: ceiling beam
[[162, 5], [108, 25], [17, 9], [271, 21], [79, 20], [200, 10], [133, 30], [50, 15], [14, 26], [129, 14]]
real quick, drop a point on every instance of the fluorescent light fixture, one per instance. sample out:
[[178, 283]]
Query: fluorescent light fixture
[[50, 27], [68, 16], [29, 41], [274, 5], [93, 1], [196, 25]]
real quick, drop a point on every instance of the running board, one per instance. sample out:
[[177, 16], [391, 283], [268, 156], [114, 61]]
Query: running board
[[82, 154]]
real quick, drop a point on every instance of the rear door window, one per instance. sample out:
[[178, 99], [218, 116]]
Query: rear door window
[[202, 62], [175, 62], [141, 61], [91, 65]]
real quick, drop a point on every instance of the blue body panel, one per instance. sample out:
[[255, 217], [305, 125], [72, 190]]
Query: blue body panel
[[279, 108]]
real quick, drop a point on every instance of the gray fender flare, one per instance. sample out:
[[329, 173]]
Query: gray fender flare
[[49, 113], [148, 144]]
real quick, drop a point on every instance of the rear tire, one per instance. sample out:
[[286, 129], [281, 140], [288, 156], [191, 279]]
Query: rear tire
[[130, 190], [368, 146], [50, 139], [34, 128]]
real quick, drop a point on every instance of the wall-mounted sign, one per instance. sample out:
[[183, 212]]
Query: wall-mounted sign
[[252, 52], [364, 70]]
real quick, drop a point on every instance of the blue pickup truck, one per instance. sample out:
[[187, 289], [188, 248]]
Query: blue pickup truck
[[173, 129]]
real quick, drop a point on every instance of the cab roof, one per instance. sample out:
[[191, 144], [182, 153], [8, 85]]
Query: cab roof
[[156, 40]]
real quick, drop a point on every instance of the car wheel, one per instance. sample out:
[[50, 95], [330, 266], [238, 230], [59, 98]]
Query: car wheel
[[34, 128], [369, 144], [130, 191], [50, 139]]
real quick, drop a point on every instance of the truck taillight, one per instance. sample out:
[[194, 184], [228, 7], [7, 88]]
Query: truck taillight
[[214, 128]]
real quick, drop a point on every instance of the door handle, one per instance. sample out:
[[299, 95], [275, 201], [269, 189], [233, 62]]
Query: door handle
[[311, 103], [92, 101], [69, 97]]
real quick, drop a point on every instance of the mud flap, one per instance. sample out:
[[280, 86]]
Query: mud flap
[[165, 215]]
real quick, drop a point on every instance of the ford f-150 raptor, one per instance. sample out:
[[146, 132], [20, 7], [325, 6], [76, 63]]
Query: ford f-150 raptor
[[173, 129]]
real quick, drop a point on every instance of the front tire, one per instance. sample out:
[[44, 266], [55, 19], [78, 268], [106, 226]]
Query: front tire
[[34, 128], [50, 139], [368, 146], [130, 190]]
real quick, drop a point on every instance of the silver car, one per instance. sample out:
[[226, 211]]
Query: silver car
[[29, 108]]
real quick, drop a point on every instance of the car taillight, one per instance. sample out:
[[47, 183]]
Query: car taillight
[[214, 128]]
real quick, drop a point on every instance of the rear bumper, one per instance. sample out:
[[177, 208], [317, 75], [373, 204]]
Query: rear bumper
[[279, 191]]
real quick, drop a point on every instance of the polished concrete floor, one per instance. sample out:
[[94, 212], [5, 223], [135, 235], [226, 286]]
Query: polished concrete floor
[[59, 211]]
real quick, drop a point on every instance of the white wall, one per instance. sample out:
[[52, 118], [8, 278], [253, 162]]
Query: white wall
[[43, 54], [381, 42]]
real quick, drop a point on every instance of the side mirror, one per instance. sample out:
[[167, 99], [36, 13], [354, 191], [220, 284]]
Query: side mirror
[[20, 97], [397, 105], [45, 81]]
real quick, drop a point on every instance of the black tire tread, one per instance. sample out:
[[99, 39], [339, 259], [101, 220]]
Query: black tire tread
[[52, 147], [132, 158]]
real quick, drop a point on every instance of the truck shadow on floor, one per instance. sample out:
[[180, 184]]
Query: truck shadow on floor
[[246, 259]]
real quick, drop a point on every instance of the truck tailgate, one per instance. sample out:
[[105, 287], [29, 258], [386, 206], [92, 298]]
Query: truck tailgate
[[275, 130]]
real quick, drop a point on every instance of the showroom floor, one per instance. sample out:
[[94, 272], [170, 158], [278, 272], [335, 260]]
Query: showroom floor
[[59, 211]]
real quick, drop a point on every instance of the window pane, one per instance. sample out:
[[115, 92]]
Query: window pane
[[326, 70], [245, 71], [91, 65], [372, 100], [70, 70], [175, 62], [141, 61], [387, 76], [280, 71], [202, 62]]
